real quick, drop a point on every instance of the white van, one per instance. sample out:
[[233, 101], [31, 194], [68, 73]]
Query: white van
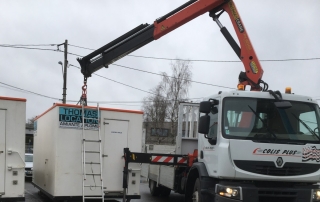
[[29, 165]]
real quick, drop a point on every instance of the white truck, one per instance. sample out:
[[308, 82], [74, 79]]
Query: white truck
[[251, 150], [257, 145], [76, 163], [12, 148]]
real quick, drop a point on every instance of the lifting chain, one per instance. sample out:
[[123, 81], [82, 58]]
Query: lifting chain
[[83, 98]]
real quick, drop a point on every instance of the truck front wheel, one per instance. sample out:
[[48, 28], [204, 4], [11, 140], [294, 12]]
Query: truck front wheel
[[196, 196], [154, 190]]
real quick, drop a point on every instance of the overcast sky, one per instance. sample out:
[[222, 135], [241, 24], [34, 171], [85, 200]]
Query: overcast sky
[[286, 29]]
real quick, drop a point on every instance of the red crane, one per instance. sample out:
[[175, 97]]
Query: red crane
[[145, 33]]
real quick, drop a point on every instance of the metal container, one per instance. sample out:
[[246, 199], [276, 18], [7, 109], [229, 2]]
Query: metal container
[[12, 148]]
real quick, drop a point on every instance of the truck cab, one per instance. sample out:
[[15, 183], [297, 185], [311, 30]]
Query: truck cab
[[258, 145]]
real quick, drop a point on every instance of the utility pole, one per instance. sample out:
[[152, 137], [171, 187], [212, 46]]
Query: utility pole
[[65, 72]]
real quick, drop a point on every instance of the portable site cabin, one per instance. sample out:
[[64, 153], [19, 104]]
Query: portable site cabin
[[58, 151], [12, 148]]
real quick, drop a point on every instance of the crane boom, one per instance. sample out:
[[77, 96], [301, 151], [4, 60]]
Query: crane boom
[[145, 33]]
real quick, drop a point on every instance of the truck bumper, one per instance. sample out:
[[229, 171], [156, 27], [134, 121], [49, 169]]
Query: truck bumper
[[269, 193]]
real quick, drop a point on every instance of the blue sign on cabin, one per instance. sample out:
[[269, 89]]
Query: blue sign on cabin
[[72, 118]]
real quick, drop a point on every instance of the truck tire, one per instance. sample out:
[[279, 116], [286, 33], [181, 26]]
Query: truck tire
[[196, 196], [164, 191], [154, 190]]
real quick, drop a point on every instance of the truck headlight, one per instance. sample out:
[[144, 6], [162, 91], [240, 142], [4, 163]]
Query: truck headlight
[[315, 194], [229, 191]]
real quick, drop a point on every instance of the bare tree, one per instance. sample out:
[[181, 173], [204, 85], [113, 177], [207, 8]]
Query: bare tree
[[176, 88], [155, 107], [163, 105], [31, 120]]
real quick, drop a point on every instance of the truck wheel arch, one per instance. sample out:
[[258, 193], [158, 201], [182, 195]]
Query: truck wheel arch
[[198, 171]]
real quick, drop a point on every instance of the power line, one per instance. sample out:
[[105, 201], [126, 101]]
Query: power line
[[7, 87], [167, 76], [22, 46], [203, 60], [28, 44], [172, 77], [290, 59], [216, 61], [226, 61], [118, 82], [74, 54], [176, 59], [30, 48], [102, 102], [130, 102], [127, 84], [30, 91], [27, 91], [81, 47], [44, 49]]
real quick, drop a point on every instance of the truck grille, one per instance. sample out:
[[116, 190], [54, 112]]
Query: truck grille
[[272, 170], [272, 193], [269, 168], [277, 196]]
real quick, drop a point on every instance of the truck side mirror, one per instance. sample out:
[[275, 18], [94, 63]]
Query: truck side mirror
[[204, 124], [205, 107]]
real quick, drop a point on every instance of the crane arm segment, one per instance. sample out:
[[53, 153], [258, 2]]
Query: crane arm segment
[[145, 33], [253, 70]]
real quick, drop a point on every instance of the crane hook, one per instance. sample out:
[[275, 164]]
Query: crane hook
[[83, 98]]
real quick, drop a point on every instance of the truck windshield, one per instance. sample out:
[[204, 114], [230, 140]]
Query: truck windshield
[[260, 119]]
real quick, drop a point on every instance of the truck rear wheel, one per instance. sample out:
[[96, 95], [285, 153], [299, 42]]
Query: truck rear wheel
[[196, 196], [154, 190]]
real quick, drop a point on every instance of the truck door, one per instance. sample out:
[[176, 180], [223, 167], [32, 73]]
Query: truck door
[[115, 139], [2, 149]]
